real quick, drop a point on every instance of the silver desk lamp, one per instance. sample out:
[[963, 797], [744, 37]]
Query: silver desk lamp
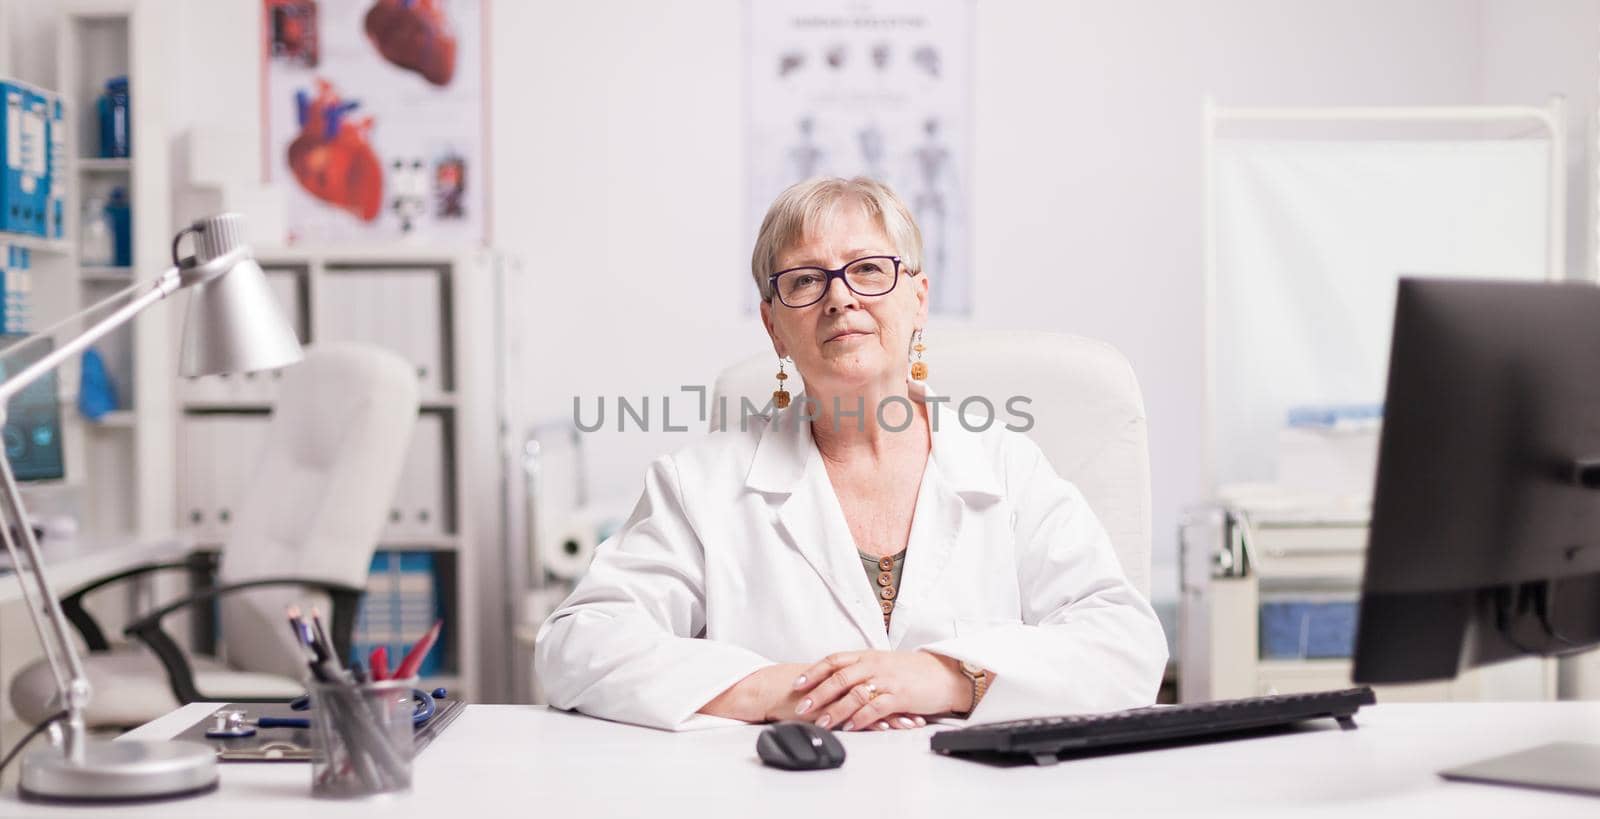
[[234, 325]]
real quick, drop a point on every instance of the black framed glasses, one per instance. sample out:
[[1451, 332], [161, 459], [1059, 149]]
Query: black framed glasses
[[866, 276]]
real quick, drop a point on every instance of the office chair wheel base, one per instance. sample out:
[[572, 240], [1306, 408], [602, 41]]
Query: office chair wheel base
[[121, 771]]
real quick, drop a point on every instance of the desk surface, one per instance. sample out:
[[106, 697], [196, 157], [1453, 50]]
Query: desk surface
[[500, 759]]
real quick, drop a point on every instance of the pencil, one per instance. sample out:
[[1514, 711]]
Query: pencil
[[413, 659]]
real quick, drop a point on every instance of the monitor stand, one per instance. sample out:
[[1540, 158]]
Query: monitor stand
[[1562, 766]]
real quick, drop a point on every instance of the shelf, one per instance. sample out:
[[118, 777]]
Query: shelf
[[434, 403], [319, 285], [1317, 664], [96, 164], [38, 244], [116, 419], [399, 252], [106, 275], [437, 543], [227, 405]]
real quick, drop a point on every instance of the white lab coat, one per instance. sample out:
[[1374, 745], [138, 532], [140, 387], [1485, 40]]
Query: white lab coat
[[738, 556]]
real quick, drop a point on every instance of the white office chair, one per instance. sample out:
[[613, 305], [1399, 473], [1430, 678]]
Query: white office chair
[[310, 522], [1088, 415]]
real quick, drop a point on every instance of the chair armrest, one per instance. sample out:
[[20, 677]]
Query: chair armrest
[[72, 605], [147, 629]]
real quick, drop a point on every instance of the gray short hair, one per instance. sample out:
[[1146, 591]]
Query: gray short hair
[[806, 207]]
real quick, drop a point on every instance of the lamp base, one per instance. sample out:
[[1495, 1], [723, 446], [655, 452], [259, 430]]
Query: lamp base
[[119, 771]]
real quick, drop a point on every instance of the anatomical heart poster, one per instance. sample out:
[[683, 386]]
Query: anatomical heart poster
[[878, 88], [374, 118]]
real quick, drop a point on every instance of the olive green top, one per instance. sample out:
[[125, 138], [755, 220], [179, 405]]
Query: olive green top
[[885, 582]]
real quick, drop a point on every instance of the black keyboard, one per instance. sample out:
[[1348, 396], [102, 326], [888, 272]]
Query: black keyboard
[[1046, 740]]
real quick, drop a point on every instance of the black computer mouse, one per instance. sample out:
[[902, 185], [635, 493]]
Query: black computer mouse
[[799, 746]]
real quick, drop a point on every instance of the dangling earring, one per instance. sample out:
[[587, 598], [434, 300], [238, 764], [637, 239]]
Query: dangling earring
[[780, 396], [919, 370]]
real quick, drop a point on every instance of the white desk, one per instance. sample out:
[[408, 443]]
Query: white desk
[[524, 760]]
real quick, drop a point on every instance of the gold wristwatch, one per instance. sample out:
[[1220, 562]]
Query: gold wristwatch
[[980, 684]]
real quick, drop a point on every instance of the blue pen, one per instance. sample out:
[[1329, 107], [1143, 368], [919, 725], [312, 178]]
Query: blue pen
[[282, 722]]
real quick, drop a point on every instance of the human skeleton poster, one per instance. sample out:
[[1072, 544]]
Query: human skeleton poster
[[880, 88]]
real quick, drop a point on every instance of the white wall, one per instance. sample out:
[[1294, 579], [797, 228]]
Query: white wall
[[1531, 50], [617, 153], [1087, 175], [1089, 193]]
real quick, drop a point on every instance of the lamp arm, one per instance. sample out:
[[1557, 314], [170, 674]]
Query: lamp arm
[[44, 608], [164, 285]]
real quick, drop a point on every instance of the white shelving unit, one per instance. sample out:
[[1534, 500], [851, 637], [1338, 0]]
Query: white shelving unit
[[108, 165], [127, 458], [119, 469], [1232, 561], [37, 244], [124, 477], [320, 289]]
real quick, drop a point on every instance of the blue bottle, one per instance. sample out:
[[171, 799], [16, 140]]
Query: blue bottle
[[115, 139], [97, 394], [120, 218]]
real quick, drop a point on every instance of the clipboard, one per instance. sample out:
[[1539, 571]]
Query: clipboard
[[294, 744]]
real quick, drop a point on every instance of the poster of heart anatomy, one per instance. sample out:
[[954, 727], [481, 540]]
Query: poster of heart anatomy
[[374, 119]]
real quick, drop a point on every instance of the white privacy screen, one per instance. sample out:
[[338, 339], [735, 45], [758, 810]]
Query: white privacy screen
[[1311, 238]]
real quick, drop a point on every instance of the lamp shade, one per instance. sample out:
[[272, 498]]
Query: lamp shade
[[235, 323]]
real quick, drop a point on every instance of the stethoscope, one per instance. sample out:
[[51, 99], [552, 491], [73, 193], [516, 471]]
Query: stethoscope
[[234, 724]]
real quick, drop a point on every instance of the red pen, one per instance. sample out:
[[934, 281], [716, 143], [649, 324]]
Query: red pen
[[378, 659], [419, 650]]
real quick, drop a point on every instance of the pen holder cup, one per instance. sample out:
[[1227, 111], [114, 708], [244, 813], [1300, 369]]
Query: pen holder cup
[[361, 738]]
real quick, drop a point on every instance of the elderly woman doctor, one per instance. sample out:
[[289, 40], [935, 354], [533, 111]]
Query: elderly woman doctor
[[819, 564]]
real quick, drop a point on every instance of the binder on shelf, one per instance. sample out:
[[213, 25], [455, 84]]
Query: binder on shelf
[[24, 149], [16, 286], [221, 452], [1307, 626], [399, 310], [33, 172], [195, 479], [34, 179], [57, 171], [11, 158], [413, 324], [39, 137], [402, 602], [419, 506], [242, 440]]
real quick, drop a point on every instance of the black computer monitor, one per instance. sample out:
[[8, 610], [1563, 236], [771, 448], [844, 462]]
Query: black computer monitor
[[32, 430], [1485, 534]]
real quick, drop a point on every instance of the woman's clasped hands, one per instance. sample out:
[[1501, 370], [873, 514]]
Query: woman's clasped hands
[[851, 691], [879, 690]]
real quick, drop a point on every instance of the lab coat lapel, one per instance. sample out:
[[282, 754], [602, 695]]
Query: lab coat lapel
[[957, 485], [813, 522], [809, 518], [935, 530]]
